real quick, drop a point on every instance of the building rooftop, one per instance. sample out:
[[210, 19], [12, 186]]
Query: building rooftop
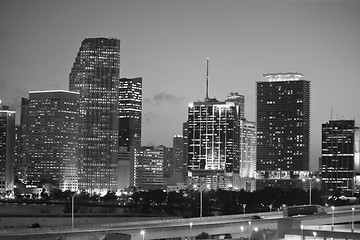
[[281, 77]]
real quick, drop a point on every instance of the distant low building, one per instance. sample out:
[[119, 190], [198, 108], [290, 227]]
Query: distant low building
[[147, 167]]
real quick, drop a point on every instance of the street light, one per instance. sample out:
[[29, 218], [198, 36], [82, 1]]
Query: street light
[[302, 231], [249, 229], [72, 209], [332, 222], [242, 231], [201, 189], [352, 222], [143, 234], [190, 230], [311, 183]]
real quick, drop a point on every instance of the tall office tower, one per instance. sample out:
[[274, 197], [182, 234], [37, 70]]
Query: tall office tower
[[283, 130], [214, 142], [247, 154], [17, 164], [130, 107], [340, 156], [52, 138], [168, 160], [178, 152], [147, 167], [95, 75], [185, 129], [24, 126], [7, 149]]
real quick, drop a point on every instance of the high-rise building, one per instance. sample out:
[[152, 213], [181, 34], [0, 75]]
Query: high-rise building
[[24, 126], [178, 159], [18, 165], [340, 156], [130, 108], [283, 130], [7, 149], [95, 75], [184, 174], [52, 138], [214, 142], [148, 169], [247, 154]]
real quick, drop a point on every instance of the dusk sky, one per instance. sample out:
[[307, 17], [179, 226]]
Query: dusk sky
[[166, 42]]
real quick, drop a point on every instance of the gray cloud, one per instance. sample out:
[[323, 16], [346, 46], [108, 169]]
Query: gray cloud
[[164, 97], [148, 117]]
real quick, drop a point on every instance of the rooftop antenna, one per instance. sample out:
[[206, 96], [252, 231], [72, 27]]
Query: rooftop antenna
[[331, 114], [207, 79]]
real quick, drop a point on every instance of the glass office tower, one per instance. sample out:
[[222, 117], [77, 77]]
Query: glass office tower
[[95, 75], [283, 130]]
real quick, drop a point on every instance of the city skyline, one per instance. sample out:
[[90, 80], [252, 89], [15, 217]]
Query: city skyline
[[167, 42]]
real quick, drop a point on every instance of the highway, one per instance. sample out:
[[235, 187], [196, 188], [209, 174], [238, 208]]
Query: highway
[[184, 227]]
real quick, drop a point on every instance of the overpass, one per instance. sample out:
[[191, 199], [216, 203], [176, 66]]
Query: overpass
[[243, 225]]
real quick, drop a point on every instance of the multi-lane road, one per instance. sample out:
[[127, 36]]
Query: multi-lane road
[[236, 225]]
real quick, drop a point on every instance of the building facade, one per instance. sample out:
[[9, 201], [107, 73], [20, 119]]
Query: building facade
[[148, 167], [214, 142], [130, 109], [23, 148], [95, 75], [7, 150], [52, 138], [283, 130], [340, 156]]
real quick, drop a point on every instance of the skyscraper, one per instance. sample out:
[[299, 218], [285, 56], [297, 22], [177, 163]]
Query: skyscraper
[[283, 130], [24, 126], [214, 141], [340, 159], [95, 75], [7, 149], [52, 138], [247, 154], [178, 151], [130, 108]]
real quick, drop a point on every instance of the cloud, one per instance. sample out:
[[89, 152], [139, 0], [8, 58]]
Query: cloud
[[148, 117], [164, 97]]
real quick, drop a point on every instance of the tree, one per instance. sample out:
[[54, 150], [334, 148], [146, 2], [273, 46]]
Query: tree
[[203, 235]]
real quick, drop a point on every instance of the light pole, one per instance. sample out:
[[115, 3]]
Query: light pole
[[201, 189], [332, 222], [352, 220], [143, 234], [201, 201], [242, 231], [302, 231], [311, 183], [72, 209], [190, 230], [249, 230]]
